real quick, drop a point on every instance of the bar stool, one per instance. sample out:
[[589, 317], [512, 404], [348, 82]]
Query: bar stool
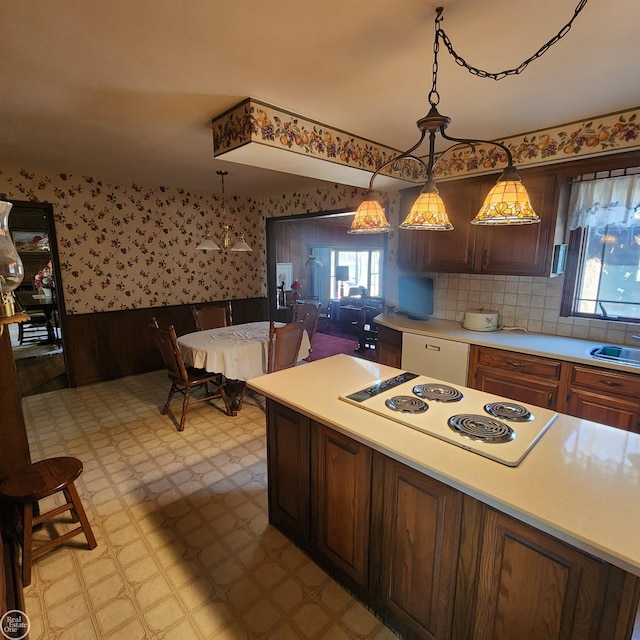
[[27, 485]]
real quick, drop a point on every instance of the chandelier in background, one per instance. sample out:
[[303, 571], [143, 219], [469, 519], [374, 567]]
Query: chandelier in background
[[506, 203], [209, 244]]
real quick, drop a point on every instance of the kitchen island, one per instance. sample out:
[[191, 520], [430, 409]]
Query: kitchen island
[[442, 542]]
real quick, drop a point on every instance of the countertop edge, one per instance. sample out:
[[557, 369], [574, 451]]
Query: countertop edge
[[558, 347]]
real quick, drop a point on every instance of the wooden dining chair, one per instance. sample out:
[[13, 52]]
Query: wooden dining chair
[[309, 312], [212, 316], [183, 378], [284, 345], [35, 328]]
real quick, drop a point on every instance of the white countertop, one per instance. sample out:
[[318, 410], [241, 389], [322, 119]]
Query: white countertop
[[580, 482], [539, 344]]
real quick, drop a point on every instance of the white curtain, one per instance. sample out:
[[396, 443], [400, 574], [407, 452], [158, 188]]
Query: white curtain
[[608, 201]]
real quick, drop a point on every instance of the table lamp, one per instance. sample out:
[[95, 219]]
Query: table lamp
[[342, 276]]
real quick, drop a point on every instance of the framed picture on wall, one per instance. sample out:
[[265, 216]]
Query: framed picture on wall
[[284, 271], [30, 240]]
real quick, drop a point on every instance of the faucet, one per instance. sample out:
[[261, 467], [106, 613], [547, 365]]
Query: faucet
[[636, 337]]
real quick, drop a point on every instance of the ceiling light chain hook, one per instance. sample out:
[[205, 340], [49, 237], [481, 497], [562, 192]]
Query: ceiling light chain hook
[[509, 72]]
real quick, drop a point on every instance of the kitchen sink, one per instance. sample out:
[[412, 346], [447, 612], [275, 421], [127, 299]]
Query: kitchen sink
[[623, 355]]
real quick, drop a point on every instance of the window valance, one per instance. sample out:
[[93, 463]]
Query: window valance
[[608, 201]]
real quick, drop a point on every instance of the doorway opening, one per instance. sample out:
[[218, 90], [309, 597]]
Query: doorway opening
[[38, 344]]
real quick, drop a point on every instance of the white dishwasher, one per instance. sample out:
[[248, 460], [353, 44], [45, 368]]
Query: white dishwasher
[[445, 360]]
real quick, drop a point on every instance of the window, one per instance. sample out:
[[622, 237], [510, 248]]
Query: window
[[365, 270], [603, 276]]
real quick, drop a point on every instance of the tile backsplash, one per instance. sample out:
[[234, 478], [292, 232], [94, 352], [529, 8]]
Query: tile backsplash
[[522, 301]]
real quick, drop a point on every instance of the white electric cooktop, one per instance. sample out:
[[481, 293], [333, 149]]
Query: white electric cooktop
[[492, 426]]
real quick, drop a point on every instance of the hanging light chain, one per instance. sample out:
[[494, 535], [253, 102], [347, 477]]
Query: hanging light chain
[[501, 74], [434, 96]]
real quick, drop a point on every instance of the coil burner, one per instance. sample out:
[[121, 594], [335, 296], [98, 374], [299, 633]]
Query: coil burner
[[508, 411], [406, 404], [481, 428], [439, 392]]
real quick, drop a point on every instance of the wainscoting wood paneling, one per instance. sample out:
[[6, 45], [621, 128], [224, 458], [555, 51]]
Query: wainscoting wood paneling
[[105, 346]]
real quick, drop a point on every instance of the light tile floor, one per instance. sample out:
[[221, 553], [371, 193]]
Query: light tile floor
[[184, 547]]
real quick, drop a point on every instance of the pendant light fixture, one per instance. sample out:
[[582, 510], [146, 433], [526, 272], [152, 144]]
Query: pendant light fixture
[[506, 203], [209, 244]]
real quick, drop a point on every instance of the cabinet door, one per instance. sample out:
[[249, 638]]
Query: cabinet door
[[389, 354], [524, 250], [411, 249], [389, 346], [453, 251], [532, 586], [520, 388], [446, 251], [341, 505], [288, 458], [610, 410], [418, 552]]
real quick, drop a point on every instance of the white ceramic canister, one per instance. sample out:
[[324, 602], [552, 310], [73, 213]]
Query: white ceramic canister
[[481, 320]]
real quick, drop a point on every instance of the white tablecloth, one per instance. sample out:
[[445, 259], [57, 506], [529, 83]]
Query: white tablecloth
[[239, 351]]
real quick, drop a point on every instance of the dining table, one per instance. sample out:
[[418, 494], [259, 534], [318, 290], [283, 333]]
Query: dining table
[[239, 352]]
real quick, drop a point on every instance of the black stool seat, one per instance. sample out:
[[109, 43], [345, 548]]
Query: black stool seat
[[39, 480]]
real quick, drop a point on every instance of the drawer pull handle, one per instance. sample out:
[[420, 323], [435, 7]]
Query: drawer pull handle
[[431, 347], [515, 364], [611, 383]]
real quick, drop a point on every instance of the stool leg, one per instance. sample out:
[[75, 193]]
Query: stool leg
[[27, 542], [82, 516], [72, 511]]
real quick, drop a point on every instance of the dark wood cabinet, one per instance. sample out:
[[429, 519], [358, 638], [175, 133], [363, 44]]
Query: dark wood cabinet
[[289, 471], [389, 346], [529, 379], [415, 541], [432, 562], [603, 395], [532, 586], [444, 251], [341, 504], [525, 250]]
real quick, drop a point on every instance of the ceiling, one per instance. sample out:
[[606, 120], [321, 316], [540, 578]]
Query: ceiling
[[126, 89]]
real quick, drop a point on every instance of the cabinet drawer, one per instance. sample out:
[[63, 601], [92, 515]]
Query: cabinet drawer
[[525, 364], [613, 382]]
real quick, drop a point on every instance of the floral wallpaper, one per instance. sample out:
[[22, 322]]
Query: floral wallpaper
[[128, 246], [252, 121]]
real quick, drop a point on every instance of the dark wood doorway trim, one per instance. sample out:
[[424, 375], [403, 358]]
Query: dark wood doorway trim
[[46, 209]]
